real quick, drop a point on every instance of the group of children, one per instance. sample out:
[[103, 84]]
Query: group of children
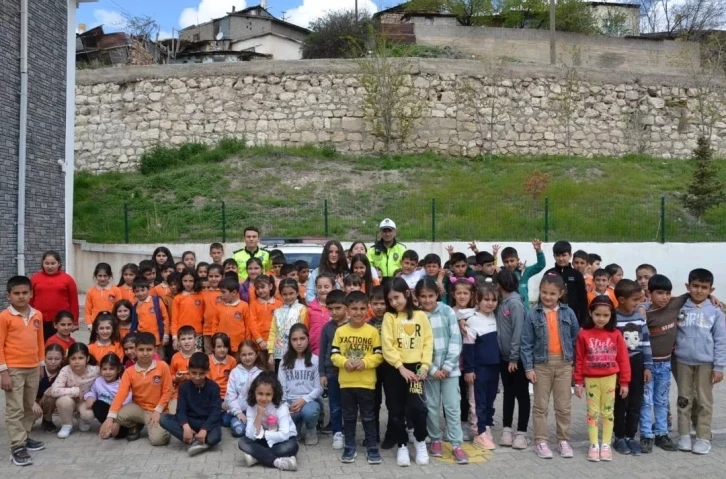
[[186, 349]]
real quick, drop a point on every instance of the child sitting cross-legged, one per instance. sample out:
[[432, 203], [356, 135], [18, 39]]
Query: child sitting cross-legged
[[198, 418]]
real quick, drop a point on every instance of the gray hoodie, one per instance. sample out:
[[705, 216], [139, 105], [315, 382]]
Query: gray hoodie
[[701, 335], [510, 317]]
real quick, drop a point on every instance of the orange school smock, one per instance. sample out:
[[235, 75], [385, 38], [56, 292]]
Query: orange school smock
[[212, 299], [261, 315], [146, 318], [187, 310], [219, 372], [553, 332], [178, 364], [127, 293], [233, 319], [253, 292], [100, 299], [150, 388], [21, 339], [98, 350], [610, 294]]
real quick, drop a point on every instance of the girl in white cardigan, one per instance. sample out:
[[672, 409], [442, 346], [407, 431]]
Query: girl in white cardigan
[[72, 383]]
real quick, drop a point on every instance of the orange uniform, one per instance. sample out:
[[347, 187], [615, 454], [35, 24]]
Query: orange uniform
[[219, 372], [212, 299], [178, 364], [188, 310], [234, 320], [160, 290], [100, 299], [589, 283], [123, 330], [150, 388], [610, 294], [98, 350], [146, 318], [127, 292], [21, 339], [253, 292], [553, 333], [261, 316]]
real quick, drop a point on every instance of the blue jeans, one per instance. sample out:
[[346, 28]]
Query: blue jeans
[[173, 427], [308, 416], [335, 403], [238, 427], [655, 397]]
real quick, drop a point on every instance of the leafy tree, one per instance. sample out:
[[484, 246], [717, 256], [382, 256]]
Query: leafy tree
[[337, 34], [615, 24], [706, 190], [467, 12], [571, 15]]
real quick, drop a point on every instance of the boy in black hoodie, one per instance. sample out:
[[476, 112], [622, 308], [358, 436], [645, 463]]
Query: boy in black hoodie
[[575, 292]]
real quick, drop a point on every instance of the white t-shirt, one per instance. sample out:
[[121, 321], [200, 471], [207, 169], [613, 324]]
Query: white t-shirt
[[413, 278]]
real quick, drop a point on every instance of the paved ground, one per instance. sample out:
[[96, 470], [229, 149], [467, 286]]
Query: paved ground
[[85, 455]]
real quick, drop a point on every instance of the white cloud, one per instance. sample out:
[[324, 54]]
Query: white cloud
[[313, 9], [110, 19], [164, 34], [207, 10]]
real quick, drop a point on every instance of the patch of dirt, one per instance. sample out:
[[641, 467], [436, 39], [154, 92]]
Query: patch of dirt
[[200, 202]]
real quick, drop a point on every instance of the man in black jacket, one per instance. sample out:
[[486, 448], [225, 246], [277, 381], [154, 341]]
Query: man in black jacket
[[575, 291]]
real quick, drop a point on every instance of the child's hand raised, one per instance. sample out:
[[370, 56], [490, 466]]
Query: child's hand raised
[[624, 391], [473, 247], [716, 377], [531, 376], [495, 250], [450, 249], [537, 245]]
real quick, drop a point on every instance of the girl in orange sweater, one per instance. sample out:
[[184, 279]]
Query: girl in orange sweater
[[122, 314], [261, 308], [105, 337], [188, 308], [103, 295], [129, 272]]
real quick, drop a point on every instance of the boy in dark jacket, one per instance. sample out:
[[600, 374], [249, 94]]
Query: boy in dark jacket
[[198, 418], [575, 292]]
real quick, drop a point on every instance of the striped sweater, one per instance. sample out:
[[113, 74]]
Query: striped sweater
[[447, 340], [638, 321]]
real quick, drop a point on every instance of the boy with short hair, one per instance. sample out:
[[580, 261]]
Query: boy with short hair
[[601, 287], [409, 271], [579, 262], [232, 316], [432, 268], [593, 264], [637, 337], [337, 305], [487, 264], [179, 364], [150, 315], [147, 271], [510, 258], [216, 252], [643, 273], [356, 352], [22, 356], [575, 292], [662, 320], [289, 271], [378, 306], [700, 357], [278, 261], [458, 266], [149, 382], [198, 418]]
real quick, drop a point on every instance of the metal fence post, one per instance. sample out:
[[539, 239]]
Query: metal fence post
[[547, 220], [433, 220], [325, 214], [662, 220], [126, 223], [224, 222]]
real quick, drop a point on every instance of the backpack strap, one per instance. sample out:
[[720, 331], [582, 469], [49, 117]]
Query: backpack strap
[[159, 318]]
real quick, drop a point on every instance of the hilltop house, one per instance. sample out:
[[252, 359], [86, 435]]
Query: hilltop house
[[250, 32]]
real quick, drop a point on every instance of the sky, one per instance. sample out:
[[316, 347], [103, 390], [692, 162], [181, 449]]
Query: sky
[[176, 14]]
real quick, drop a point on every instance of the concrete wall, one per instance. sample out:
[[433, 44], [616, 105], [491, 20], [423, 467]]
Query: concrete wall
[[674, 260], [280, 48], [533, 46], [45, 228], [243, 27]]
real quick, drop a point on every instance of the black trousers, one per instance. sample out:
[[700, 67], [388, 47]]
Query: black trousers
[[378, 402], [403, 401], [463, 387], [100, 412], [516, 387], [627, 410], [48, 330], [359, 400]]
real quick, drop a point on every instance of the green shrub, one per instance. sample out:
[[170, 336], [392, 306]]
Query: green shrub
[[160, 157]]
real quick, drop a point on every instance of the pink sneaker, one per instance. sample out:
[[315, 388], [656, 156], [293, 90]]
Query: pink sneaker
[[543, 450], [437, 449], [460, 455], [593, 454], [606, 454], [565, 449], [483, 441]]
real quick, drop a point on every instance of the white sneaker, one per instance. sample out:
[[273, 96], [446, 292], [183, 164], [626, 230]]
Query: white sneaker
[[65, 431], [248, 460], [83, 426], [338, 440], [402, 457], [422, 455]]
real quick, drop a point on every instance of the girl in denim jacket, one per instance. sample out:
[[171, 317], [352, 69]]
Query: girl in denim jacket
[[547, 352]]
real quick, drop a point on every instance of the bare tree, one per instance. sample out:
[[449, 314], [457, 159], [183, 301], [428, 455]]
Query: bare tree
[[140, 27], [678, 18], [567, 102]]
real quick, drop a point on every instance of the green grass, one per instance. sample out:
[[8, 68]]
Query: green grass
[[180, 192]]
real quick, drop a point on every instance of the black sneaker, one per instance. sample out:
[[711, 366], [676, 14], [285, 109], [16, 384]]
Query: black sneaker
[[634, 446], [21, 457], [134, 434], [664, 442], [373, 456], [33, 446], [646, 445], [326, 429], [388, 443], [620, 446], [349, 455], [49, 426]]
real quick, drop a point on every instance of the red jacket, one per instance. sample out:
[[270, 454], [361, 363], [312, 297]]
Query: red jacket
[[53, 293], [600, 353]]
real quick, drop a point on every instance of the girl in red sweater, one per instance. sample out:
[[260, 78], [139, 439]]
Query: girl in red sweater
[[601, 358], [53, 291]]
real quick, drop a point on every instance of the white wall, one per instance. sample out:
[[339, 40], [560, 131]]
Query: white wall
[[675, 260], [280, 48]]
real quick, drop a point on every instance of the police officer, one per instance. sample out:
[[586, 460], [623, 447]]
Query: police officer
[[251, 250], [386, 253]]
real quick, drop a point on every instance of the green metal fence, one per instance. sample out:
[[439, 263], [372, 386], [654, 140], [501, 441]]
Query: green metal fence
[[514, 219]]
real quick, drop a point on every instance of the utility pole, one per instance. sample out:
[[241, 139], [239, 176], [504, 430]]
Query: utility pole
[[356, 11], [553, 40]]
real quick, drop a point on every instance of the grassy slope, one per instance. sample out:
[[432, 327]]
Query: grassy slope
[[282, 190]]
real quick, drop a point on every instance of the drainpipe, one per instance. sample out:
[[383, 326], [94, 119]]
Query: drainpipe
[[23, 137], [68, 164]]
